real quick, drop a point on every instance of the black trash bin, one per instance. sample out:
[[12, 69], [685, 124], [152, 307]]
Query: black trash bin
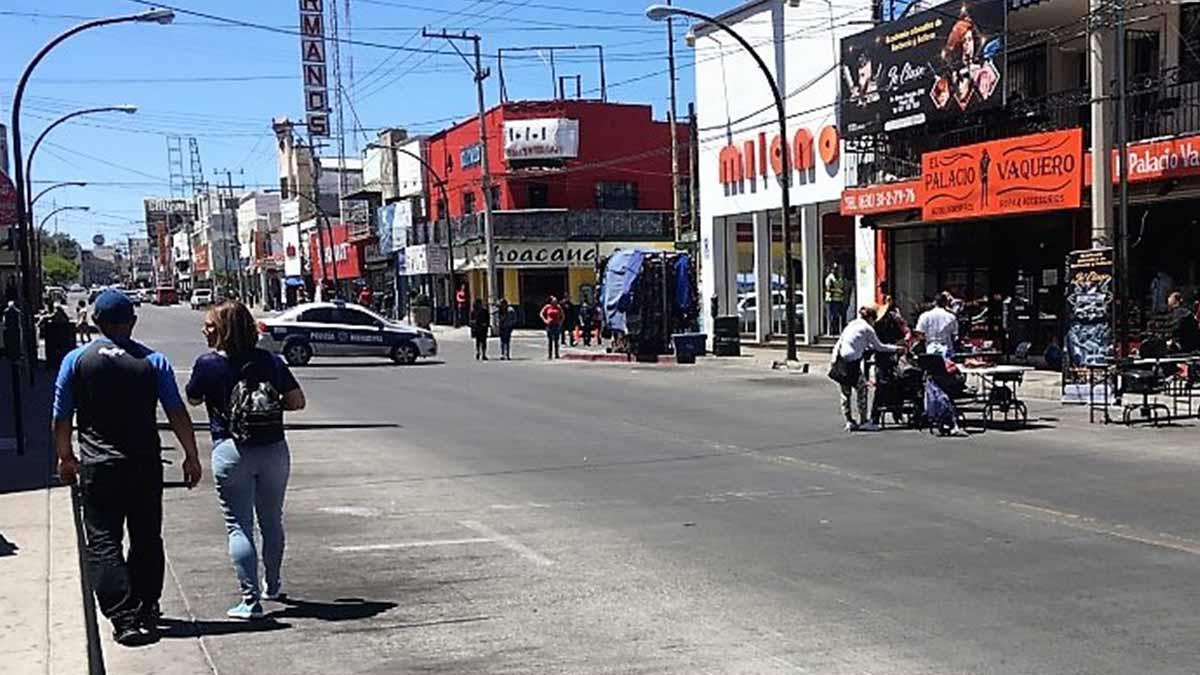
[[727, 338], [688, 346]]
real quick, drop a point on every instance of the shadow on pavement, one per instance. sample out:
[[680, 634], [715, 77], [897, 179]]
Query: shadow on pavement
[[181, 628], [367, 364], [301, 426], [342, 609], [7, 548]]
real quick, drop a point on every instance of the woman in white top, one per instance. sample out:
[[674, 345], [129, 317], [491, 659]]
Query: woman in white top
[[856, 340]]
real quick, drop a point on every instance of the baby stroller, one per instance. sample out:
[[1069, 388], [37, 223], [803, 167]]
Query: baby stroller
[[949, 390], [899, 390]]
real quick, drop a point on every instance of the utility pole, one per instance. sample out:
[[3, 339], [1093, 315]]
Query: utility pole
[[481, 74], [222, 203], [1121, 259], [1100, 71], [678, 215], [694, 175]]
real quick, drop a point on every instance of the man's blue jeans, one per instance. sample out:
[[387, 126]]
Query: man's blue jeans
[[252, 480]]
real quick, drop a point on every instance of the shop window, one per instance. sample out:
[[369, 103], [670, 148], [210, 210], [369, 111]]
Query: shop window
[[468, 203], [443, 209], [539, 196], [616, 195], [494, 194]]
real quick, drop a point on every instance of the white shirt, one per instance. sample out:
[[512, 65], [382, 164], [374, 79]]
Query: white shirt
[[859, 337], [939, 327]]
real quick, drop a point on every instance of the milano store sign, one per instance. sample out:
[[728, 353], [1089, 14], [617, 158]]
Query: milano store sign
[[935, 65]]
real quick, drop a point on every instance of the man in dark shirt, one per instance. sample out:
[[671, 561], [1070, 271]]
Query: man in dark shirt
[[111, 388]]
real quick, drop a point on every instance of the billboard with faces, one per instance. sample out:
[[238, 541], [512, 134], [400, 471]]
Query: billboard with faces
[[936, 65]]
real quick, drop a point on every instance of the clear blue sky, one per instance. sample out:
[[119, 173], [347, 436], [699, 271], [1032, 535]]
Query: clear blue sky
[[222, 84]]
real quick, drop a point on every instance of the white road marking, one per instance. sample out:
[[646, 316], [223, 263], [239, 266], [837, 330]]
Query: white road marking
[[508, 542], [408, 544], [359, 511]]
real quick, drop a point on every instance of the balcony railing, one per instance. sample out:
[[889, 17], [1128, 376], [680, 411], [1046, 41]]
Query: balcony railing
[[1165, 103], [554, 225]]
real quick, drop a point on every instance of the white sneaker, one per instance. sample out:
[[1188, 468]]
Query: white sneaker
[[851, 426], [869, 426], [960, 432]]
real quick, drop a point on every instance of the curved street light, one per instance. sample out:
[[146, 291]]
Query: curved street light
[[662, 12], [127, 109], [42, 227], [441, 185], [55, 212], [37, 242], [24, 224], [69, 183]]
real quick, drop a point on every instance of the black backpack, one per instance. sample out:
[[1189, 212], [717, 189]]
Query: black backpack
[[255, 409]]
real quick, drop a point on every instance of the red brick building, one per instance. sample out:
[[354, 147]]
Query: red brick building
[[572, 181]]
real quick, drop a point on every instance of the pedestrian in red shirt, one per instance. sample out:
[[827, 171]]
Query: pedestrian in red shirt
[[462, 301], [366, 297], [552, 316]]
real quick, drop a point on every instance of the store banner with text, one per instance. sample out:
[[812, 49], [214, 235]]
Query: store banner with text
[[1155, 160], [1026, 174], [1089, 305], [342, 257], [885, 198], [938, 64]]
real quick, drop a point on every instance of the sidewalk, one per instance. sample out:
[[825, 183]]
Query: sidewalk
[[42, 627]]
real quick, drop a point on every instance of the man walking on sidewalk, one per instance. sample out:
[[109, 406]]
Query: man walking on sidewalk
[[111, 387]]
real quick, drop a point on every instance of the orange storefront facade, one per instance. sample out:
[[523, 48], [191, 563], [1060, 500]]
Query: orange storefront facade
[[993, 222]]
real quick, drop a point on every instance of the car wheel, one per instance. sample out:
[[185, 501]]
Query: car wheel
[[297, 354], [405, 354]]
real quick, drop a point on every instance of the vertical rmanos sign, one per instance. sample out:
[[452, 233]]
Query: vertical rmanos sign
[[312, 63]]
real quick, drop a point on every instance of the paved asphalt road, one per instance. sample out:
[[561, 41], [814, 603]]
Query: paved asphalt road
[[529, 517]]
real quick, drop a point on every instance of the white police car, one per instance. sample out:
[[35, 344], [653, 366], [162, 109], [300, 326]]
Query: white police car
[[342, 329]]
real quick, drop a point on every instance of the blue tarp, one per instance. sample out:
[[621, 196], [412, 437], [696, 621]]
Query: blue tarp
[[683, 284], [619, 278]]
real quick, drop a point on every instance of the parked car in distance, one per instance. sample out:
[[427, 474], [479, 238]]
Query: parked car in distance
[[748, 316], [166, 295], [202, 297], [77, 288]]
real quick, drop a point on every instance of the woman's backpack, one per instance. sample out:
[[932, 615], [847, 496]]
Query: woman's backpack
[[255, 408]]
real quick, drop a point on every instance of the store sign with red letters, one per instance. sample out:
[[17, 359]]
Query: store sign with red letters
[[1156, 160], [758, 156], [865, 201]]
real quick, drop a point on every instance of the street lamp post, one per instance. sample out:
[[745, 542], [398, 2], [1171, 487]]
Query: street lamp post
[[662, 12], [70, 183], [24, 224], [441, 185], [320, 233], [37, 236], [55, 212]]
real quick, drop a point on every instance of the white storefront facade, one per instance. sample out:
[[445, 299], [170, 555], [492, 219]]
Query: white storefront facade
[[742, 263]]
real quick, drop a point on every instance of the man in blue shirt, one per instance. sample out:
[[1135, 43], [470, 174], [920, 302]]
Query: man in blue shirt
[[112, 387]]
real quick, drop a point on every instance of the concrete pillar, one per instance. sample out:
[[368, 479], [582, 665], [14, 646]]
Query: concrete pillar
[[762, 276], [810, 254], [1101, 56]]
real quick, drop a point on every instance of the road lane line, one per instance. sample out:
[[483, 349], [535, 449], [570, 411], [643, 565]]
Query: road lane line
[[1160, 539], [508, 542], [408, 544]]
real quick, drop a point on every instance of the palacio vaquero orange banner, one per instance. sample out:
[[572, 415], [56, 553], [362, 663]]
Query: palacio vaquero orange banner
[[1039, 172]]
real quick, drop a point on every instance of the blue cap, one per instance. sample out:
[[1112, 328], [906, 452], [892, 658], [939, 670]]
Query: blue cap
[[113, 306]]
